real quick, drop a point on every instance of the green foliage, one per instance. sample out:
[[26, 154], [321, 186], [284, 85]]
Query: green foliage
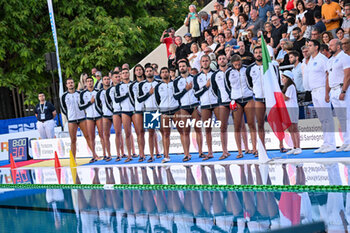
[[91, 33]]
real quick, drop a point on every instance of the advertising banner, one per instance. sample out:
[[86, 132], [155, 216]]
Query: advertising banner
[[310, 136]]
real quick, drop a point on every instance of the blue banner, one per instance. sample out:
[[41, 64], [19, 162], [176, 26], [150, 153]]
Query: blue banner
[[22, 124]]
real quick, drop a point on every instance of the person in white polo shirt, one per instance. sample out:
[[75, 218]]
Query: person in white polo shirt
[[336, 86], [297, 70], [316, 79]]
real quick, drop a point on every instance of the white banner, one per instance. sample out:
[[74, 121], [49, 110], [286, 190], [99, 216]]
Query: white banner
[[310, 136], [54, 34]]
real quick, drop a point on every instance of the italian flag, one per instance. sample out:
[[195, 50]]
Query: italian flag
[[277, 113]]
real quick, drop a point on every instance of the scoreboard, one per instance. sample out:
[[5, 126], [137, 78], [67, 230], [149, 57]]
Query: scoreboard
[[18, 147]]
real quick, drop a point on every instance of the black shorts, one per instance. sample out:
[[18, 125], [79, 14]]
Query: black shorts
[[77, 121], [170, 112], [243, 101], [93, 118], [225, 104], [117, 114], [128, 113], [190, 108], [108, 117], [209, 106], [262, 100]]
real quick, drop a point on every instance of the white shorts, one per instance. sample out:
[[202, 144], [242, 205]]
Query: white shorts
[[46, 129]]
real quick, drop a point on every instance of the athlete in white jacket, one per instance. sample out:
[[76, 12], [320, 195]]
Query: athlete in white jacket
[[76, 117], [222, 111], [146, 96], [117, 118], [107, 115], [184, 93], [204, 91], [168, 106], [94, 117], [236, 81], [127, 108]]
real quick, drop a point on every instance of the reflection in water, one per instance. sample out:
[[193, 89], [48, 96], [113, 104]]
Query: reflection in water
[[183, 211]]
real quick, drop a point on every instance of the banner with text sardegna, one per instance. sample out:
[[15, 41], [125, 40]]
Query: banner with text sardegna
[[310, 137]]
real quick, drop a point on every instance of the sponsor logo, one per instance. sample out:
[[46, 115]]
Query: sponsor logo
[[151, 120], [21, 127]]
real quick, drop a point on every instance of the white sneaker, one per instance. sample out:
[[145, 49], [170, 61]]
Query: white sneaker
[[297, 151], [327, 149], [290, 152], [165, 160], [319, 149], [343, 147], [347, 148]]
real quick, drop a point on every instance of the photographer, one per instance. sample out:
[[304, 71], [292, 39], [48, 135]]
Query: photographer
[[168, 40], [246, 56], [243, 25], [218, 15]]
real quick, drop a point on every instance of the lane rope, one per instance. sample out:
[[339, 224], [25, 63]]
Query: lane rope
[[179, 187]]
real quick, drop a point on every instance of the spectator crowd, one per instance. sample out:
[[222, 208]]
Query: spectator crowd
[[236, 26], [217, 68]]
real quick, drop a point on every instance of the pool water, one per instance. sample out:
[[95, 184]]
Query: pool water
[[109, 210], [56, 210]]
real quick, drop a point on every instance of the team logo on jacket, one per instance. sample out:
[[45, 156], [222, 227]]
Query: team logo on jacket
[[151, 120]]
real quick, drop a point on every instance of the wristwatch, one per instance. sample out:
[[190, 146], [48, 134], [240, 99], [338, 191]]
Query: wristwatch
[[343, 92]]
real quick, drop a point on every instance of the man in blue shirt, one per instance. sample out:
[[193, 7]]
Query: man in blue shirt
[[264, 7], [321, 27], [205, 21], [229, 38]]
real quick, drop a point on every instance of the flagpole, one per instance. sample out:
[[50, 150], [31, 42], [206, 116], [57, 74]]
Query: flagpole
[[54, 34]]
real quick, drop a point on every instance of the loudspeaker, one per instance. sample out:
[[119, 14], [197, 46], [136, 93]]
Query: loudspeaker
[[51, 61]]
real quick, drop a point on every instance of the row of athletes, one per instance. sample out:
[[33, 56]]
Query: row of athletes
[[187, 97]]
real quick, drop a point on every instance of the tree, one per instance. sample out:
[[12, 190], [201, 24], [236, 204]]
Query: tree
[[91, 33]]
